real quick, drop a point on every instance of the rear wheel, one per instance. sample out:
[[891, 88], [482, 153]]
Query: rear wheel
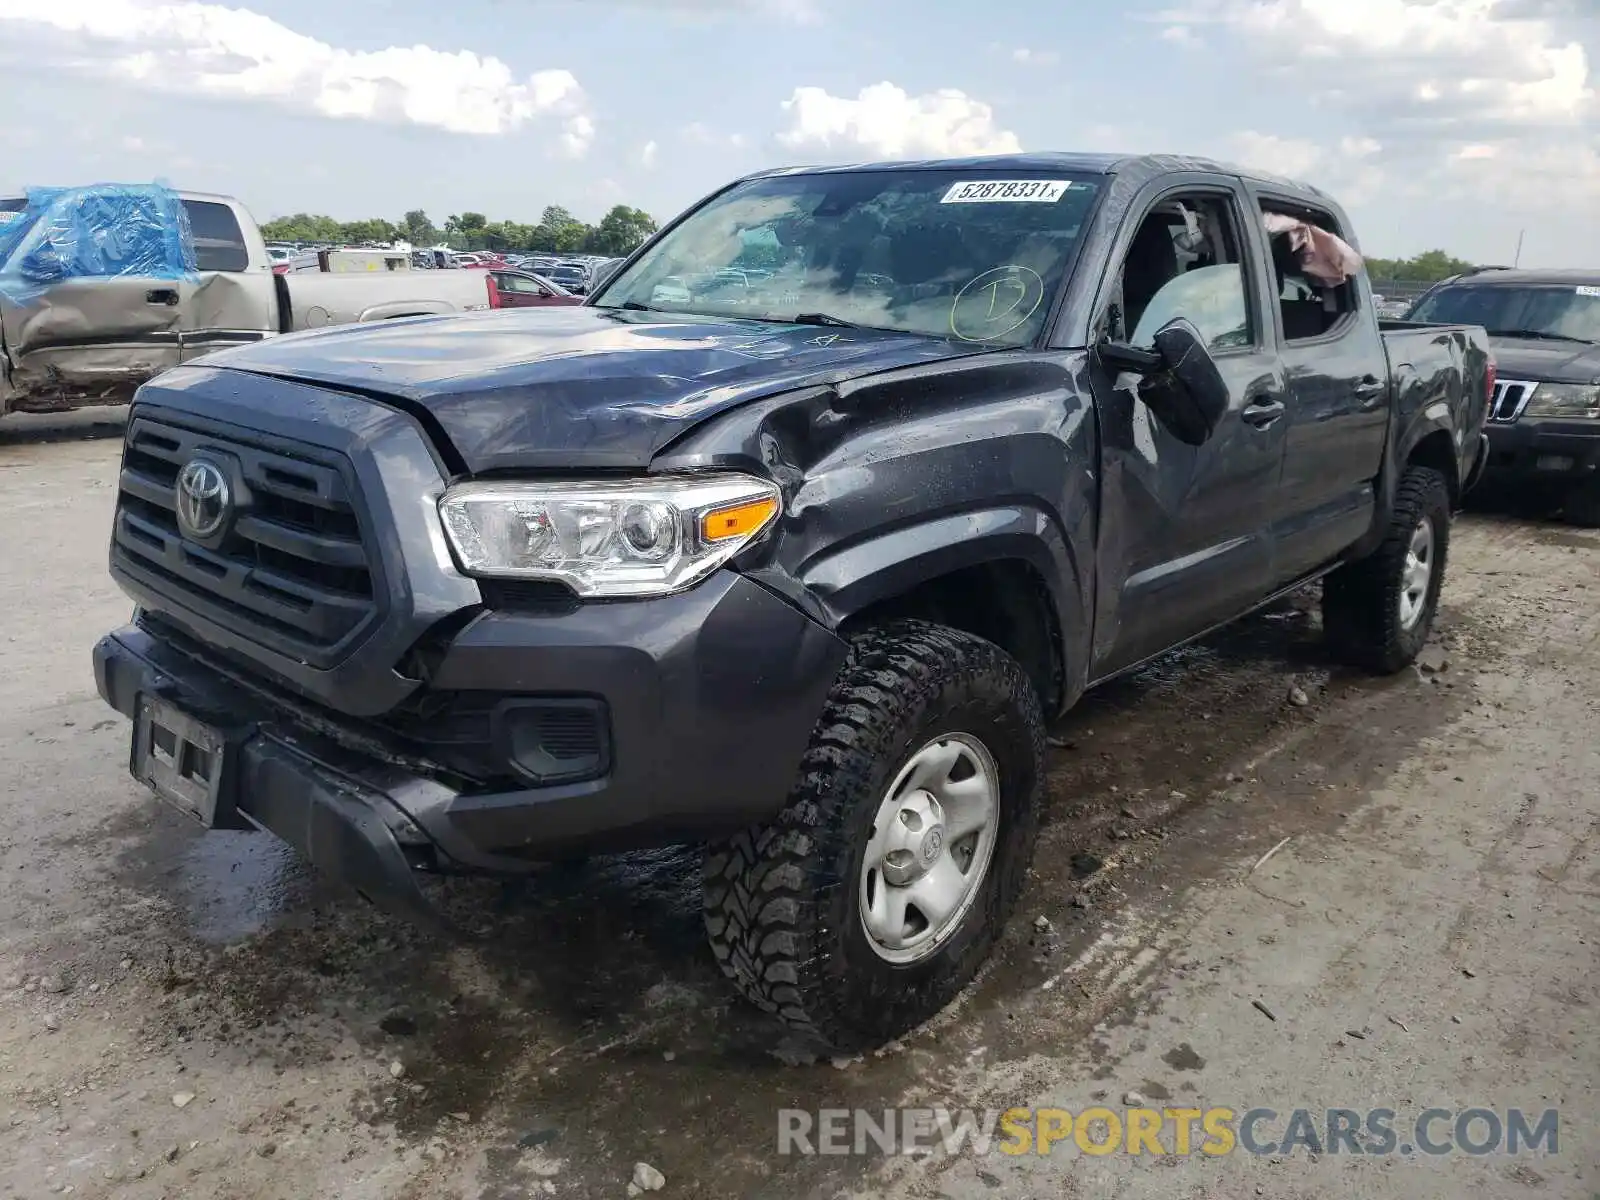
[[873, 898], [1378, 612]]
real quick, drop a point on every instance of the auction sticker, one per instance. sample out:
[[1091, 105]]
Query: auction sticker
[[1006, 191], [1587, 291]]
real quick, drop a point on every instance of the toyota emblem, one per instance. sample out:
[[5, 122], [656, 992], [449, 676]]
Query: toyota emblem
[[204, 499]]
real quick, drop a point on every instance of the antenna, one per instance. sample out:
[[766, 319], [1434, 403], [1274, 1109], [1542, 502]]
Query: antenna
[[1517, 261]]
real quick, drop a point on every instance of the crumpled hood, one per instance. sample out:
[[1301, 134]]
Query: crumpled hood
[[577, 387], [1545, 362]]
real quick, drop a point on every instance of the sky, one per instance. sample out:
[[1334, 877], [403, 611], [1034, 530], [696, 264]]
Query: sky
[[1452, 124]]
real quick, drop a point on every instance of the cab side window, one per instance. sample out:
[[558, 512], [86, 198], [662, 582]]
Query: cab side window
[[1309, 309], [1185, 261], [218, 241]]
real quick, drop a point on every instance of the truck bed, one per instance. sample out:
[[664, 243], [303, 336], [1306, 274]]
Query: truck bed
[[1432, 363], [312, 300]]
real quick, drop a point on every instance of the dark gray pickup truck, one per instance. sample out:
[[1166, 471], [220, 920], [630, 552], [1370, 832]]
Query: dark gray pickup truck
[[1544, 422], [789, 541]]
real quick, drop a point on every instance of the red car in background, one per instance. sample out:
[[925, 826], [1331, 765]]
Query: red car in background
[[524, 289]]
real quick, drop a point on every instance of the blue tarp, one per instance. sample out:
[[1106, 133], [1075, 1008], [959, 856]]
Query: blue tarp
[[102, 231]]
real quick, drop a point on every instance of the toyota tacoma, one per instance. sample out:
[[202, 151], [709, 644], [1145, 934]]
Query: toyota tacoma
[[789, 541]]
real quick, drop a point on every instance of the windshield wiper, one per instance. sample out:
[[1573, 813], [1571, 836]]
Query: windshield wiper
[[822, 319], [1540, 335], [635, 306]]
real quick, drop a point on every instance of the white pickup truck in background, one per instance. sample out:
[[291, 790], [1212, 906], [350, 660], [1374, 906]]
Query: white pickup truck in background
[[86, 340]]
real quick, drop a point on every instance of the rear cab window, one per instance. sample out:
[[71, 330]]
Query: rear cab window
[[218, 241], [1309, 309]]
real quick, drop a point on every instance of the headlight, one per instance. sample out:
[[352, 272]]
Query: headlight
[[638, 537], [1564, 400]]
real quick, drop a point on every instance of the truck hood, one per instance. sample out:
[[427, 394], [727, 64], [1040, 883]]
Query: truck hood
[[577, 387], [1545, 362]]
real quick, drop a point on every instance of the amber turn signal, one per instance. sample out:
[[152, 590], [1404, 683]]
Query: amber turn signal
[[737, 521]]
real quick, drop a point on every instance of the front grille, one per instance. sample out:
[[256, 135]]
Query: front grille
[[1510, 398], [290, 572]]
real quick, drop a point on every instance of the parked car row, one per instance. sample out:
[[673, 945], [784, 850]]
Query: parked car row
[[577, 276]]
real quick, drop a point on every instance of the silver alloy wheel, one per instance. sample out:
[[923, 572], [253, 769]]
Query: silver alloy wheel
[[1417, 575], [931, 844]]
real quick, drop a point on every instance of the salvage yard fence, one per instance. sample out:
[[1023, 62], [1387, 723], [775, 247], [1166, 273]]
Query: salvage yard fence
[[1401, 289]]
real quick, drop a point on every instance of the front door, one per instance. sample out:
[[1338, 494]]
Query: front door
[[1185, 534], [80, 321]]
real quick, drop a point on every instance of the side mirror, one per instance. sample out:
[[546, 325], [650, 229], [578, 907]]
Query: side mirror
[[1180, 384]]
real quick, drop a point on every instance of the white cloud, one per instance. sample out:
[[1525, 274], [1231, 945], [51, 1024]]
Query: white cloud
[[1349, 169], [704, 135], [647, 156], [1452, 61], [1293, 157], [1441, 98], [234, 52], [884, 121], [1035, 58], [1181, 35], [798, 12]]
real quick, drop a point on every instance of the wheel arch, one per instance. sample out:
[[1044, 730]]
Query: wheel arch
[[1005, 575]]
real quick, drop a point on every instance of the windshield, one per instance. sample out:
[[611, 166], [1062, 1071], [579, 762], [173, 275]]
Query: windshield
[[1564, 312], [942, 253]]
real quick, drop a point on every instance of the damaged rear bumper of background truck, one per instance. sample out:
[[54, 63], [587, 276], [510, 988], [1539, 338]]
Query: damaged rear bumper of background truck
[[704, 704]]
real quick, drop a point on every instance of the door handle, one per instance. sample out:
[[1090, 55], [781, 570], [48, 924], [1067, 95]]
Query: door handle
[[1262, 413], [168, 296], [1369, 389]]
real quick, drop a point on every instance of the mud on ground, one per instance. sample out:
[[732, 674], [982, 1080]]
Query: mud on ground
[[188, 1014]]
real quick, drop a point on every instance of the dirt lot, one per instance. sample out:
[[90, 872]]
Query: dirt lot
[[191, 1015]]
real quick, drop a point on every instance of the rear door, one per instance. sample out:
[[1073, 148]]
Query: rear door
[[1185, 537], [232, 301], [1338, 398]]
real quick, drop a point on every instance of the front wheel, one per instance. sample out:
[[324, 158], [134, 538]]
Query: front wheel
[[878, 891], [1378, 612]]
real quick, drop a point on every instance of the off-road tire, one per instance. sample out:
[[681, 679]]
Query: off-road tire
[[1361, 600], [1582, 506], [781, 900]]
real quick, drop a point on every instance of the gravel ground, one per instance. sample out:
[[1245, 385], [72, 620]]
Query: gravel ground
[[188, 1014]]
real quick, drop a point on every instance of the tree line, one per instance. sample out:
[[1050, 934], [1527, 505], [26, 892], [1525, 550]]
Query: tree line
[[1428, 267], [619, 232]]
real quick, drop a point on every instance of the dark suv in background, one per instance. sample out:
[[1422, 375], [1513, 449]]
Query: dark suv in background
[[1544, 424]]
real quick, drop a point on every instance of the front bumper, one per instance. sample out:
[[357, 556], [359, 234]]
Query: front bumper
[[1544, 452], [711, 697]]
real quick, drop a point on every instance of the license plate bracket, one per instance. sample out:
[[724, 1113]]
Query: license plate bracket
[[184, 761]]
